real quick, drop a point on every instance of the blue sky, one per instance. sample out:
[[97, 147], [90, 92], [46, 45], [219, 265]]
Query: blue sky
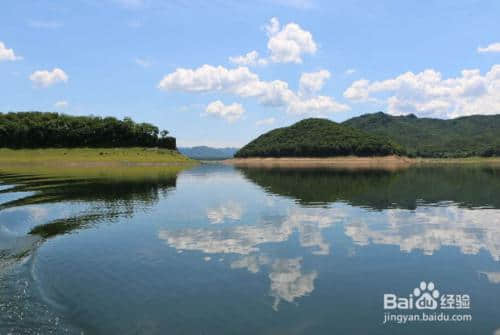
[[222, 72]]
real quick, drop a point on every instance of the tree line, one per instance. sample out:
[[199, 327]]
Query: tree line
[[44, 130]]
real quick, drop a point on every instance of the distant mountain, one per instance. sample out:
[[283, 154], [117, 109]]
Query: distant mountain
[[208, 153], [318, 138], [477, 135]]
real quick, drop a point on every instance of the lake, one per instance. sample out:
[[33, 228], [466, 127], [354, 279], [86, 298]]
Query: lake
[[215, 249]]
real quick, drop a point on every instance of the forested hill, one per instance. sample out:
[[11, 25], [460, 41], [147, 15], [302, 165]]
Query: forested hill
[[318, 138], [43, 130], [477, 135]]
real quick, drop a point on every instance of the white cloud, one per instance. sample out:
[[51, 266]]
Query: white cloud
[[318, 106], [240, 81], [273, 27], [313, 82], [61, 104], [249, 59], [208, 78], [265, 122], [290, 43], [44, 24], [244, 83], [7, 54], [286, 44], [230, 113], [494, 47], [45, 78], [428, 94], [142, 62]]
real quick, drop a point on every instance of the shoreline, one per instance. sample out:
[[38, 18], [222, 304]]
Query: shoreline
[[353, 162], [92, 157], [349, 162]]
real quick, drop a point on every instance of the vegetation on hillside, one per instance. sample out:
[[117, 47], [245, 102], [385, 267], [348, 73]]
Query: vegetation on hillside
[[477, 135], [318, 138], [49, 130]]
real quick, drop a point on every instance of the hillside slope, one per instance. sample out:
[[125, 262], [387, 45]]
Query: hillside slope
[[477, 135], [318, 138]]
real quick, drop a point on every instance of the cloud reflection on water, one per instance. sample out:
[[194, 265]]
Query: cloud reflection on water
[[230, 210], [427, 228], [430, 228]]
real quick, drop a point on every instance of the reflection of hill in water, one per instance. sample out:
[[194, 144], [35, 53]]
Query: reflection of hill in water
[[468, 186], [106, 195], [112, 186]]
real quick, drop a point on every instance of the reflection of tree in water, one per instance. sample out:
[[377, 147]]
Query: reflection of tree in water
[[107, 191], [107, 199], [468, 186]]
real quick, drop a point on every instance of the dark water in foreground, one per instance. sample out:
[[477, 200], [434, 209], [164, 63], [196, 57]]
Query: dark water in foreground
[[220, 250]]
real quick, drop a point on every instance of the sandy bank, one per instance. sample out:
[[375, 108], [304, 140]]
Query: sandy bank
[[348, 162]]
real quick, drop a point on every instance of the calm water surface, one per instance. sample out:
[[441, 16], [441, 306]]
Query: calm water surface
[[221, 250]]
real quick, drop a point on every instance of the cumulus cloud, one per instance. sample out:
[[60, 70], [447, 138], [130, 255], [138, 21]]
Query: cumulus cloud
[[428, 94], [61, 104], [313, 82], [250, 59], [265, 122], [287, 44], [7, 54], [244, 83], [230, 113], [494, 47], [45, 78], [319, 105], [208, 78]]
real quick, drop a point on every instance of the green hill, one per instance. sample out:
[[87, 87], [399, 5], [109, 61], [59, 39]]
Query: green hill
[[318, 138], [477, 135]]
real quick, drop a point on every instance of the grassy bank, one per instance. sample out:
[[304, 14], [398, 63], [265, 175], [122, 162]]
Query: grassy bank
[[91, 156]]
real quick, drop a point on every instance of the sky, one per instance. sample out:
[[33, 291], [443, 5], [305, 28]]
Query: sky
[[222, 72]]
